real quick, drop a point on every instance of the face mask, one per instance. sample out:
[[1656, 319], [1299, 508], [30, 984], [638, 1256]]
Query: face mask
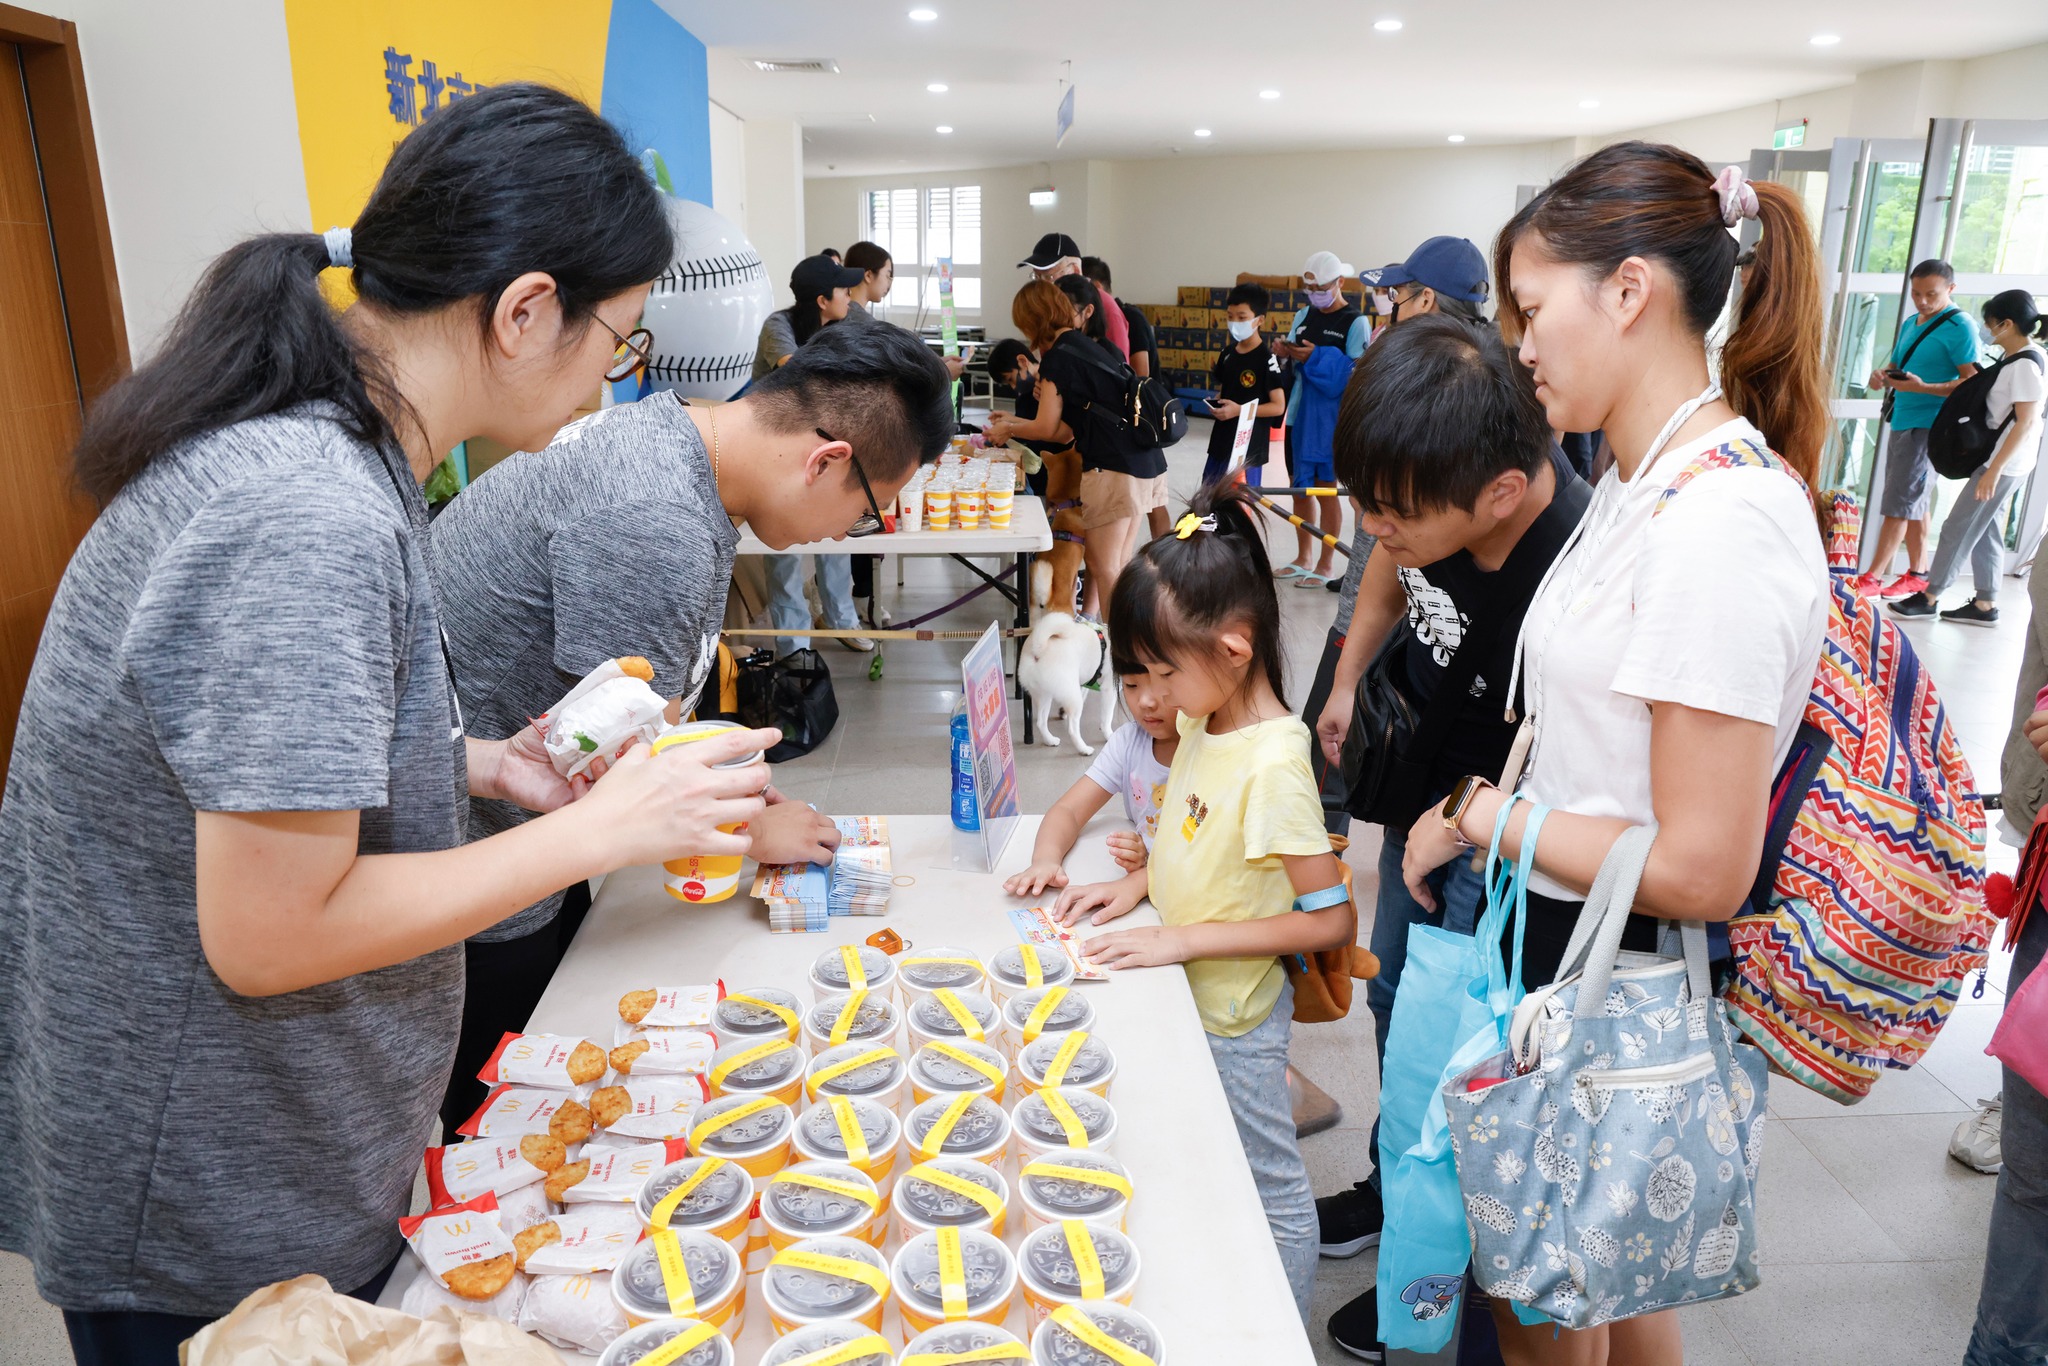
[[1322, 298], [1243, 329]]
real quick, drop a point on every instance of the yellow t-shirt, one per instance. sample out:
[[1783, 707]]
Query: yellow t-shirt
[[1235, 803]]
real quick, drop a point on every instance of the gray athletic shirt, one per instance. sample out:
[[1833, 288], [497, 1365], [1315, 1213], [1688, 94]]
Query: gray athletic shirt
[[610, 542], [249, 626]]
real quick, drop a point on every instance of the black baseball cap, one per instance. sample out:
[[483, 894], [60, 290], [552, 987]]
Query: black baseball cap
[[817, 276], [1451, 266], [1051, 248]]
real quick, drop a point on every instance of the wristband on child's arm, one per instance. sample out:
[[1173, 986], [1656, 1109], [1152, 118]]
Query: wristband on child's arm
[[1328, 896]]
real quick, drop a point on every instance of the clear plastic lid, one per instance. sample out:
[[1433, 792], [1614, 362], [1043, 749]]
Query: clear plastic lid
[[1035, 1119], [725, 1193], [771, 1071], [953, 1339], [1053, 1345], [740, 1018], [823, 1294], [1071, 1012], [877, 1078], [1092, 1060], [873, 1019], [929, 1016], [636, 1344], [991, 1272], [814, 1210], [936, 1070], [760, 1130], [1007, 968], [982, 1127], [1046, 1260], [817, 1129], [714, 1269], [829, 970], [823, 1337], [936, 1206], [930, 969], [1067, 1197]]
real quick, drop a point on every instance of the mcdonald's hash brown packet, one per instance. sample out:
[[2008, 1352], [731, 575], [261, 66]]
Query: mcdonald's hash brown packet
[[464, 1247], [463, 1171], [554, 1061], [671, 1007]]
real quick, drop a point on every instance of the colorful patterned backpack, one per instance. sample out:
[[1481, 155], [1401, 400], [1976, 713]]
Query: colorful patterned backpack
[[1868, 911]]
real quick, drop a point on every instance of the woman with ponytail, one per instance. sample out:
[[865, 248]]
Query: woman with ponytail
[[233, 878], [1666, 660]]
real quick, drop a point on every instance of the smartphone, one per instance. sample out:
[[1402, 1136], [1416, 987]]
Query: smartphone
[[1894, 372], [1213, 405]]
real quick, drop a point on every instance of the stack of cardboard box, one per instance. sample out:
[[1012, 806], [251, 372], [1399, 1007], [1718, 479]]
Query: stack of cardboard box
[[1193, 331]]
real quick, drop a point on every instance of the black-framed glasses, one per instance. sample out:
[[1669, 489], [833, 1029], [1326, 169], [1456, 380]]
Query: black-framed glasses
[[869, 522], [631, 354]]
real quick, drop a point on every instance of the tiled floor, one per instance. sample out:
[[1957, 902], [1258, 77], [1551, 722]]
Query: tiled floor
[[1869, 1188]]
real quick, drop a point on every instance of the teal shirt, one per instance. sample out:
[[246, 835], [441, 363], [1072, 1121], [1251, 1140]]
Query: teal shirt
[[1951, 346]]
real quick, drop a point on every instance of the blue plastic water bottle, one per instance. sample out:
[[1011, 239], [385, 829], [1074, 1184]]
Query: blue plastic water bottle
[[965, 814]]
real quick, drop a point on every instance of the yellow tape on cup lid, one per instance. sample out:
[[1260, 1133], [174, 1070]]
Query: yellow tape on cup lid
[[680, 1346], [1069, 1049], [934, 1141], [1034, 971], [962, 962], [824, 1264], [960, 1186], [1087, 1265], [753, 1055], [1034, 1023], [849, 1189], [703, 1132], [841, 1068], [1083, 1327], [1002, 1351], [675, 1276], [666, 1207], [952, 1275], [1056, 1105], [856, 975], [850, 1132], [848, 1011], [873, 1345], [1054, 1171], [962, 1016], [961, 1055], [782, 1013]]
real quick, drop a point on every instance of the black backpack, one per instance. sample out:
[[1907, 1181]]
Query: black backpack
[[1149, 416], [1962, 437]]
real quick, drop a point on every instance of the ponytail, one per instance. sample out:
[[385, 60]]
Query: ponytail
[[470, 201], [1771, 367], [2017, 307]]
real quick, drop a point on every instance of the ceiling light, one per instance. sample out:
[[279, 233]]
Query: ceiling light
[[937, 87], [1457, 137], [1825, 39], [1201, 132], [1589, 104], [1387, 26], [1269, 94], [924, 16], [945, 128]]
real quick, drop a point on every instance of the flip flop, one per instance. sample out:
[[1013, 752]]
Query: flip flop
[[1289, 571], [1312, 580]]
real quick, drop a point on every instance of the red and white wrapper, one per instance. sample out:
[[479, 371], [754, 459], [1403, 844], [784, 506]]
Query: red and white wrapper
[[662, 1107], [671, 1052], [594, 1237], [533, 1060], [463, 1171], [617, 1174], [576, 1312], [449, 1238], [599, 718], [682, 1007], [513, 1110]]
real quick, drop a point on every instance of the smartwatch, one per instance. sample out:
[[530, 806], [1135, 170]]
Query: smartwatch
[[1455, 804]]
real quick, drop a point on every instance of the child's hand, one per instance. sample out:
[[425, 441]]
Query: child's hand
[[1035, 879], [1101, 902], [1150, 947], [1127, 847]]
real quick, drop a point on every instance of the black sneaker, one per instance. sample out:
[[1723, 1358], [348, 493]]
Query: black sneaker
[[1970, 614], [1356, 1328], [1918, 605], [1349, 1221]]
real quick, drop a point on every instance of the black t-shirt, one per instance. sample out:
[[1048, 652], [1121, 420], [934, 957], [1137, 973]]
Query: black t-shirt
[[1083, 375], [1328, 329], [1245, 377], [1143, 338], [1442, 601]]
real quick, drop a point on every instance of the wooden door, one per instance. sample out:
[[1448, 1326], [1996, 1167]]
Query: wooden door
[[42, 516]]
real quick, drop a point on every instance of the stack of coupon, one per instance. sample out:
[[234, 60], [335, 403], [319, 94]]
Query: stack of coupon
[[802, 897]]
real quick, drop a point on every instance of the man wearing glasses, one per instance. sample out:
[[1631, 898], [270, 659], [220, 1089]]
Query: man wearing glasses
[[618, 539]]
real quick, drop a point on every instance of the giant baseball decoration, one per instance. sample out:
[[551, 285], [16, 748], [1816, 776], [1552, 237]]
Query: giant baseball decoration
[[707, 308]]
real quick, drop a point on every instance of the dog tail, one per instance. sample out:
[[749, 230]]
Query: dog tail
[[1041, 582]]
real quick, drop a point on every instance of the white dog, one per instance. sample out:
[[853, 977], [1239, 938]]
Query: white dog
[[1061, 655]]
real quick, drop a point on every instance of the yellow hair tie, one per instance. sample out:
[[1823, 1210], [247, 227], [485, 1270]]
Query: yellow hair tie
[[1190, 524]]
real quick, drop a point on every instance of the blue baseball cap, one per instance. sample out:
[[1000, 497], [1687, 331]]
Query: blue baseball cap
[[1451, 266]]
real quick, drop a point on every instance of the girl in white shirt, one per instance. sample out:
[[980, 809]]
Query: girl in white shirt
[[1667, 658]]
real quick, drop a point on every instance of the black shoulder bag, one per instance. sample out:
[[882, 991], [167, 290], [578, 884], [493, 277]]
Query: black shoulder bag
[[1393, 743], [1891, 395], [1148, 415]]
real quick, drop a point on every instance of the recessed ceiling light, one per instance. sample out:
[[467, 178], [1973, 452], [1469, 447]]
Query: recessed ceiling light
[[1201, 132], [1825, 39], [924, 16], [1388, 26], [1269, 94], [937, 87], [1457, 137], [945, 128], [1589, 104]]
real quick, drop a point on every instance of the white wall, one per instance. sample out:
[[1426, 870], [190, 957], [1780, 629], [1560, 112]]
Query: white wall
[[729, 165], [775, 197]]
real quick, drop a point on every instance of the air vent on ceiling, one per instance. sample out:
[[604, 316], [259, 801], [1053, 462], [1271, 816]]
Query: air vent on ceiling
[[797, 66]]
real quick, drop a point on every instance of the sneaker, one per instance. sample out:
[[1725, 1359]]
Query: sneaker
[[1972, 614], [1867, 584], [1919, 605], [858, 644], [1356, 1328], [1904, 585], [1350, 1220], [1976, 1141]]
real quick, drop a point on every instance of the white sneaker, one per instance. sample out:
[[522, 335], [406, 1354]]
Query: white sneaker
[[858, 644], [1975, 1143]]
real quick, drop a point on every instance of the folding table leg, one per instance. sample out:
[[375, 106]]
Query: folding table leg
[[1023, 601]]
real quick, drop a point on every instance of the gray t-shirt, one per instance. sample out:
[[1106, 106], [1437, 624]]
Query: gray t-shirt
[[610, 542], [249, 626], [1354, 571], [778, 339]]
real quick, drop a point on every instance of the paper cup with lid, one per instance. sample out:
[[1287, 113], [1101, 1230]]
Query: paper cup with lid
[[910, 508], [673, 1342], [821, 1200], [702, 1195], [949, 1069], [1031, 1015], [753, 1131], [1075, 1184], [841, 1341], [825, 1278], [953, 1015], [682, 1274], [964, 1125], [953, 1275], [859, 1071], [938, 505], [1058, 1119], [951, 1192], [1078, 1058], [967, 1344], [769, 1067], [864, 1134], [862, 1016], [709, 877], [851, 967], [1027, 967], [1071, 1262], [1098, 1333], [923, 971], [757, 1014]]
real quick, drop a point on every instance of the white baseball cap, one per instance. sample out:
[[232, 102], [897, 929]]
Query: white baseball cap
[[1323, 268]]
